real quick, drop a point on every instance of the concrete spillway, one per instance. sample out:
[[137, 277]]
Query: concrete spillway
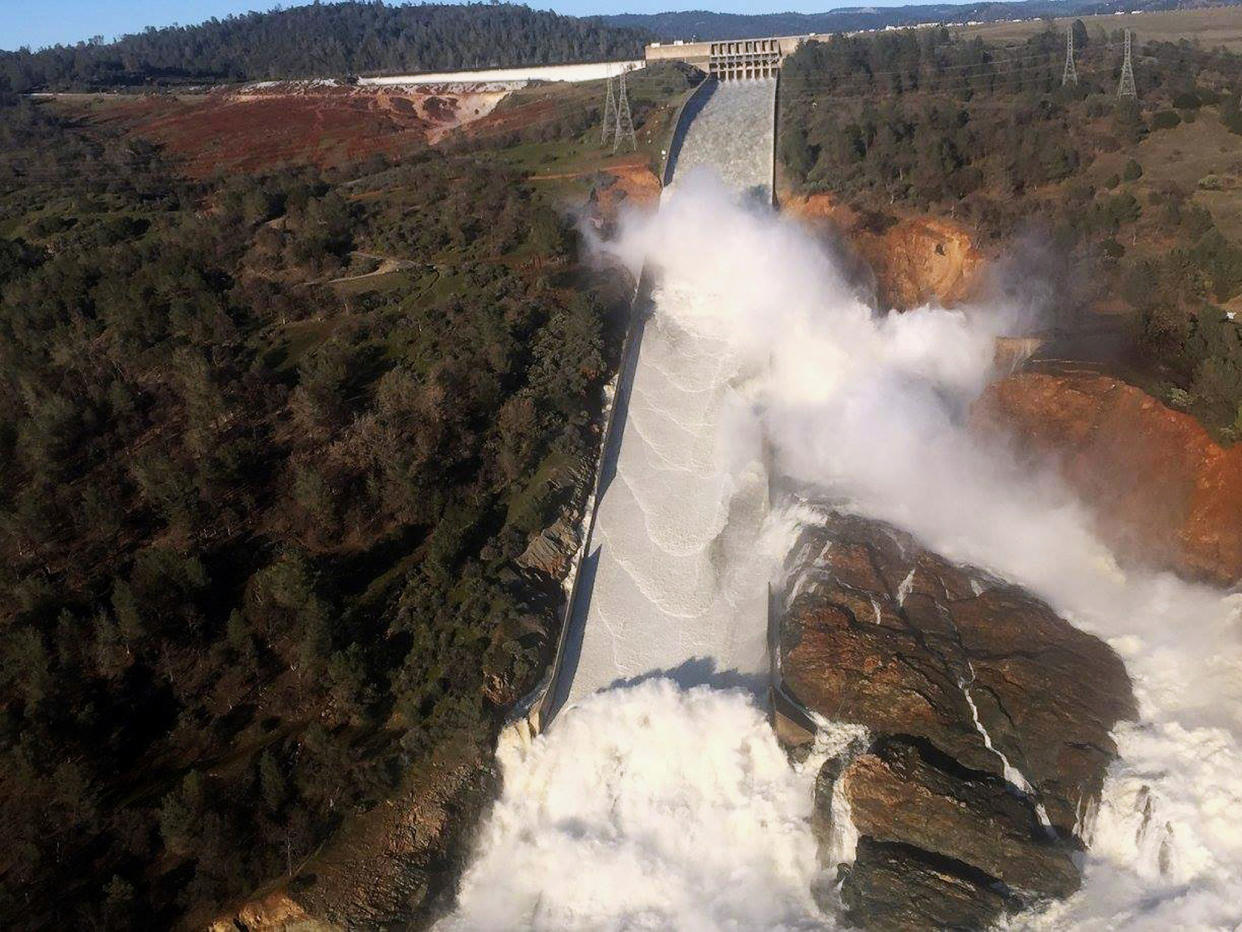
[[668, 585]]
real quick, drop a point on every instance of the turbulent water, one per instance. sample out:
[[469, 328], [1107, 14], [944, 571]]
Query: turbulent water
[[677, 568], [649, 807], [733, 137], [653, 806]]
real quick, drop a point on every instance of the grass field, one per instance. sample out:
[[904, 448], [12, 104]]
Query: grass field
[[1217, 26]]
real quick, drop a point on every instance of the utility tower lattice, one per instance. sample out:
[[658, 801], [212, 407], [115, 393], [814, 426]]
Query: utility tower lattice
[[610, 114], [1126, 87], [625, 123], [1070, 75]]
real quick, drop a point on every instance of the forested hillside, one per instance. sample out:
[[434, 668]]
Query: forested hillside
[[1122, 205], [260, 511], [324, 40], [708, 24]]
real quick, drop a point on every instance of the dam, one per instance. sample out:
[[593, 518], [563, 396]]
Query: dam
[[667, 584]]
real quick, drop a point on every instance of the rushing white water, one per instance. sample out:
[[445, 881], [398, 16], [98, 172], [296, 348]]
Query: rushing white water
[[679, 559], [733, 137], [872, 411], [650, 807], [658, 808]]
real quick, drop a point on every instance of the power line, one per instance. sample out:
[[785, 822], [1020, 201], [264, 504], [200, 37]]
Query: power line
[[1126, 87], [625, 122], [610, 115], [1070, 75]]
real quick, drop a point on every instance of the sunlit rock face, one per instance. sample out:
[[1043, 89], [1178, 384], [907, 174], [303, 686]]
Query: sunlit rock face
[[1164, 493], [990, 717]]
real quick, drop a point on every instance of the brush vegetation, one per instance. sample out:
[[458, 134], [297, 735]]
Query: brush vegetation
[[323, 40], [1130, 201], [258, 529]]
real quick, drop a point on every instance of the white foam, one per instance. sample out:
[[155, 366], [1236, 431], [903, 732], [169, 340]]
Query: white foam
[[873, 411], [648, 808]]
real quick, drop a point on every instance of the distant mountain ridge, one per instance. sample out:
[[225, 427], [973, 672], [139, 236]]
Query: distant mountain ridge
[[324, 40], [704, 24], [346, 38]]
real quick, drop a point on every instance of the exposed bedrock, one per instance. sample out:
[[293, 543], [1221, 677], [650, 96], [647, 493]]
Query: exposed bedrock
[[913, 260], [897, 888], [990, 719], [1164, 493]]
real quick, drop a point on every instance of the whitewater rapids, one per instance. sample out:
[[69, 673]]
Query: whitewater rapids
[[656, 806], [675, 581]]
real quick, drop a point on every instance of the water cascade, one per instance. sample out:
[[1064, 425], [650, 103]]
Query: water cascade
[[659, 797], [677, 567]]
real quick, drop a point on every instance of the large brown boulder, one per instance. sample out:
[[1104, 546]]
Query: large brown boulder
[[990, 715], [897, 888], [898, 796], [1164, 493]]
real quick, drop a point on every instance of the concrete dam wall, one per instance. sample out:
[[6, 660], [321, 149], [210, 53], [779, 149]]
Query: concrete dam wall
[[667, 586]]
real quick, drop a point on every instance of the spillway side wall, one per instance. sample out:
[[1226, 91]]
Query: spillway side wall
[[793, 722], [776, 128], [681, 124], [533, 712]]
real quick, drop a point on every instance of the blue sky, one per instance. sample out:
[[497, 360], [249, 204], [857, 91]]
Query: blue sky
[[45, 22]]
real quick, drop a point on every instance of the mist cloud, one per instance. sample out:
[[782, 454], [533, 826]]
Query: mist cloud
[[870, 411]]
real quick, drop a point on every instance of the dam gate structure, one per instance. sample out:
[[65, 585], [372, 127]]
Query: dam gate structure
[[730, 59]]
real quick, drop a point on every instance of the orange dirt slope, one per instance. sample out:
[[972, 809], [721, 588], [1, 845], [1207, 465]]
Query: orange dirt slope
[[1164, 492], [916, 260], [268, 126]]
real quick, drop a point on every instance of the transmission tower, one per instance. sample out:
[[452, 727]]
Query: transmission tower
[[610, 114], [1126, 87], [625, 123], [1070, 75]]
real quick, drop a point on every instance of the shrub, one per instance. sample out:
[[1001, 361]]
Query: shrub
[[1132, 172], [1187, 100], [1165, 119], [1112, 249]]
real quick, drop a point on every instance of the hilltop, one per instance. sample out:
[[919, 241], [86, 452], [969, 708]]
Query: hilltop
[[706, 24], [323, 40]]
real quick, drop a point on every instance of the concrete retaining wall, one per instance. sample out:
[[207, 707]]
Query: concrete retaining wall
[[592, 71]]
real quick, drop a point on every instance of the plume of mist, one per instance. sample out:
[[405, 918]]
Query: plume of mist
[[870, 410]]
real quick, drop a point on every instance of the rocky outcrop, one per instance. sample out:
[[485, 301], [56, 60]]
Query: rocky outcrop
[[550, 553], [1164, 493], [990, 719], [274, 913], [896, 888], [552, 550], [397, 864], [915, 260], [898, 796]]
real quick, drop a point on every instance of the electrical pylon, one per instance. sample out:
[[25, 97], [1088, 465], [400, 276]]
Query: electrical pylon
[[1126, 87], [1070, 75], [625, 123], [610, 114]]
